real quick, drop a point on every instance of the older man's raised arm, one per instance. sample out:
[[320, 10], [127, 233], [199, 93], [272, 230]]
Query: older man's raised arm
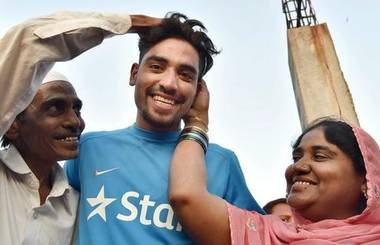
[[29, 50]]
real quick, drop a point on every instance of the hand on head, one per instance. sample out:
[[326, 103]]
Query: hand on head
[[198, 113], [141, 23]]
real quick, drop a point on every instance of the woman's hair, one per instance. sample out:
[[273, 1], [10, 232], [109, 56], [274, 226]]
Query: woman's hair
[[341, 134]]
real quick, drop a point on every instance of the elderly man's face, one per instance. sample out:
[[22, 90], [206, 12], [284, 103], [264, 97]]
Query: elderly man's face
[[52, 124]]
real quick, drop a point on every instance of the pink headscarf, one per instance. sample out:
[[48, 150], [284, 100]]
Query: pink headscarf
[[252, 228]]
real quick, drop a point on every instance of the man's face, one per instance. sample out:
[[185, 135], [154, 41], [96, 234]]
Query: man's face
[[166, 84], [283, 211], [51, 126]]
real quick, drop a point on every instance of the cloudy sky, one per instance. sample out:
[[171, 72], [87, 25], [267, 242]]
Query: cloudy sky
[[253, 110]]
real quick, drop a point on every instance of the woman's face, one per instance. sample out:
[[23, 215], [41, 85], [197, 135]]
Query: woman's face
[[322, 182]]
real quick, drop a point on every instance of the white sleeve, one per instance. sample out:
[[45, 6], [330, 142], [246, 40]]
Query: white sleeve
[[30, 49]]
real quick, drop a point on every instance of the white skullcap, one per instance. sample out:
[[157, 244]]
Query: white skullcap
[[54, 76]]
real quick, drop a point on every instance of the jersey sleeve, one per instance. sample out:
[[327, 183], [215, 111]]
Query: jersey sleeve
[[72, 171], [237, 192]]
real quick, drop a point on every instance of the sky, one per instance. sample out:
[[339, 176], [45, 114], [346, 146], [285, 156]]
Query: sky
[[252, 108]]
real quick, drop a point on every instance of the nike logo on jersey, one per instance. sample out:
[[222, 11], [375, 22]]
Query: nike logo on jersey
[[97, 173]]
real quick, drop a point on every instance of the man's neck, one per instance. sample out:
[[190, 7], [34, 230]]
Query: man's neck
[[44, 172]]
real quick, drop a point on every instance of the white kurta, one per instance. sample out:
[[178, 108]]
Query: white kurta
[[23, 220]]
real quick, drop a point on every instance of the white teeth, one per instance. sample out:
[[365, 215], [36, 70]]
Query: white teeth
[[69, 139], [302, 183], [164, 100]]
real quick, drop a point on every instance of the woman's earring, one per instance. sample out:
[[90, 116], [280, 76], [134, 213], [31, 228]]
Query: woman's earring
[[365, 193]]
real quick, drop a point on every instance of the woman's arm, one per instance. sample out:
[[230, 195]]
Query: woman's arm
[[204, 216]]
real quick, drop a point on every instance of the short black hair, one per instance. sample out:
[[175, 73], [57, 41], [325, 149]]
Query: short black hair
[[268, 208], [177, 25]]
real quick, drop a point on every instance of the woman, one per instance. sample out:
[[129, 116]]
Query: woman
[[333, 188]]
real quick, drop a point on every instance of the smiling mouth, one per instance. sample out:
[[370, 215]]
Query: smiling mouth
[[163, 100], [69, 139], [303, 183]]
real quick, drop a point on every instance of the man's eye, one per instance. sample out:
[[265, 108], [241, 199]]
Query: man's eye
[[187, 76], [56, 109], [155, 67], [53, 110]]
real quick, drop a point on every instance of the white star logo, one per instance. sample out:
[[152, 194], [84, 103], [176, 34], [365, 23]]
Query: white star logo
[[103, 203]]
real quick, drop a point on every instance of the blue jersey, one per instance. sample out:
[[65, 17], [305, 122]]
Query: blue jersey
[[123, 179]]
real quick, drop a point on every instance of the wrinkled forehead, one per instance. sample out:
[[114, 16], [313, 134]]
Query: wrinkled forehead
[[59, 87], [54, 89]]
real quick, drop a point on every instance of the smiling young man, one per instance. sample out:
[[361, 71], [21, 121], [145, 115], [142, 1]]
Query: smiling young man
[[166, 84], [37, 204], [123, 174]]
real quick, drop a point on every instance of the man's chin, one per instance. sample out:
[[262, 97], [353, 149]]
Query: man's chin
[[67, 155], [162, 123]]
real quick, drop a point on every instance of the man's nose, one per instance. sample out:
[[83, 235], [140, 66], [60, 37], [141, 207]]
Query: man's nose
[[73, 120], [169, 80]]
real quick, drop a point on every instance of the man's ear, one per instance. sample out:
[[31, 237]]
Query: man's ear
[[133, 74], [14, 131]]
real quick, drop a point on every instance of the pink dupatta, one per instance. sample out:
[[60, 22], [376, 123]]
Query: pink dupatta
[[250, 228]]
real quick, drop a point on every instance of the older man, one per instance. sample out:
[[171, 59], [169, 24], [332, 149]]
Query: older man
[[40, 125], [37, 205]]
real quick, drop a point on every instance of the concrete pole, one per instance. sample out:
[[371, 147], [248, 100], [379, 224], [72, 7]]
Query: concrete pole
[[318, 82]]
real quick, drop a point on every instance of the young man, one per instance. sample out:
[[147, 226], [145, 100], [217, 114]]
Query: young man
[[37, 205], [40, 125], [123, 174]]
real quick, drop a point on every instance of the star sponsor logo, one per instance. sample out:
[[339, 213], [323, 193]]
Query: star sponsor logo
[[136, 207], [101, 202]]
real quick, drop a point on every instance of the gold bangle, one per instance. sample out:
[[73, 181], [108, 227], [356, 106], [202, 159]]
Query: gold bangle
[[196, 119]]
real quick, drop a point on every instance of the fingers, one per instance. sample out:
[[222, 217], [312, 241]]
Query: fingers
[[144, 21], [202, 83], [199, 109], [141, 23], [202, 87]]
